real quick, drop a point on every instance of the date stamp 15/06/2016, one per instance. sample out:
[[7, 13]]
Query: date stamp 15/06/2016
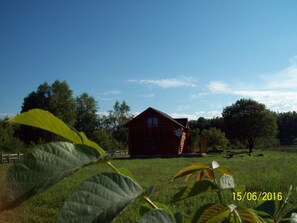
[[257, 196]]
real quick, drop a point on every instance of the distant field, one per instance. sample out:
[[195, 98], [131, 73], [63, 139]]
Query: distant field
[[273, 172]]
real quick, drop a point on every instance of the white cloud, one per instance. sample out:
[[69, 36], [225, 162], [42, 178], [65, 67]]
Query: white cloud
[[198, 95], [275, 100], [103, 113], [196, 115], [218, 87], [284, 79], [168, 83], [112, 92], [6, 115], [148, 95]]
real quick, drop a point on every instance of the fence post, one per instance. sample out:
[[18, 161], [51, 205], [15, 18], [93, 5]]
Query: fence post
[[1, 157], [8, 157]]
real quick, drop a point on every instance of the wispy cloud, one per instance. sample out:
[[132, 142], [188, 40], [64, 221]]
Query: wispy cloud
[[4, 115], [218, 87], [148, 95], [112, 92], [111, 95], [182, 81], [198, 95], [275, 100], [196, 115], [284, 79], [278, 91]]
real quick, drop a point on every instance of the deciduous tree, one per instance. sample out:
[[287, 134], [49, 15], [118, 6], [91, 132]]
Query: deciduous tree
[[57, 99], [248, 120], [86, 108], [215, 138]]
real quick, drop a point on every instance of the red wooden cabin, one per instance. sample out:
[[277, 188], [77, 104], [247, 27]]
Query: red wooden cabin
[[155, 133]]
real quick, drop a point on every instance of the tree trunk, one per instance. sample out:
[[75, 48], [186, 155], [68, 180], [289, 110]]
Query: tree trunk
[[250, 146]]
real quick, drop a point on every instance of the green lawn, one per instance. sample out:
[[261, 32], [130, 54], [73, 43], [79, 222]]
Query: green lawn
[[273, 172]]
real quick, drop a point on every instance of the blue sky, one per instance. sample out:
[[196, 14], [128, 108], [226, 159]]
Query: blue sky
[[185, 58]]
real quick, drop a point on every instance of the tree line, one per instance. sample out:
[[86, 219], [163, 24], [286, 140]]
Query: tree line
[[247, 124], [80, 113], [244, 124]]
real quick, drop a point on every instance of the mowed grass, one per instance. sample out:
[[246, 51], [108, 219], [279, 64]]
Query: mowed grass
[[273, 172]]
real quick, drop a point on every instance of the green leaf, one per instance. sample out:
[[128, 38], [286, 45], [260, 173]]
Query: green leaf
[[194, 189], [190, 169], [225, 170], [219, 212], [269, 207], [196, 215], [214, 213], [239, 188], [127, 173], [246, 215], [289, 214], [99, 199], [90, 143], [157, 216], [45, 120], [178, 217], [42, 168], [146, 207]]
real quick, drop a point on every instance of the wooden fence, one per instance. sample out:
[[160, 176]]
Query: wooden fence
[[121, 153], [8, 158]]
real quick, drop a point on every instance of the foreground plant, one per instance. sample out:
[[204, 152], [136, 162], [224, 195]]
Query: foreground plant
[[103, 196], [98, 199], [217, 179]]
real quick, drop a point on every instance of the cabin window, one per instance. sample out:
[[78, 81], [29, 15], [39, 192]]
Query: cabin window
[[152, 122]]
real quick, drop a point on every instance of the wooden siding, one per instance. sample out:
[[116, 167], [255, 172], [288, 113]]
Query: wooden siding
[[147, 138]]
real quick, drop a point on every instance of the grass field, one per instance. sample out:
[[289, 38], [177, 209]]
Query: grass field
[[273, 172]]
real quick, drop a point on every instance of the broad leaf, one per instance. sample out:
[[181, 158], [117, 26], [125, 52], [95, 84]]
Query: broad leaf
[[127, 173], [240, 188], [194, 189], [291, 214], [268, 207], [225, 170], [190, 169], [196, 215], [219, 213], [42, 168], [90, 143], [179, 218], [157, 216], [209, 173], [99, 199], [244, 214], [45, 120], [215, 213], [146, 207]]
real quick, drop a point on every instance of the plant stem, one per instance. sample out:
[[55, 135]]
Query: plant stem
[[284, 204], [113, 167], [150, 202], [220, 196]]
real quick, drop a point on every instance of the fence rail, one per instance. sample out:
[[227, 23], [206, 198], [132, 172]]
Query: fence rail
[[8, 158], [120, 153]]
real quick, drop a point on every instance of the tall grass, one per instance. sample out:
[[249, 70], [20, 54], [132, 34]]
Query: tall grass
[[273, 172]]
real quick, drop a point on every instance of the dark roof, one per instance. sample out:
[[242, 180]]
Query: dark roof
[[182, 121], [179, 121]]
